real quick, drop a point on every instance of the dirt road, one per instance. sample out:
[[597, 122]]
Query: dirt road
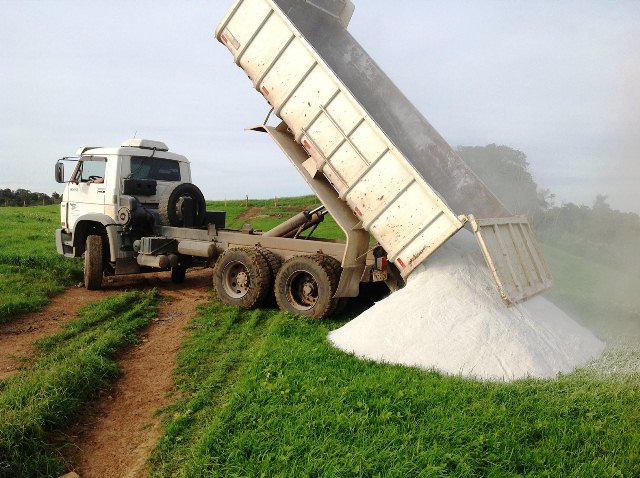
[[115, 434]]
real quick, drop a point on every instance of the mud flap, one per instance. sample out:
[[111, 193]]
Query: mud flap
[[349, 285]]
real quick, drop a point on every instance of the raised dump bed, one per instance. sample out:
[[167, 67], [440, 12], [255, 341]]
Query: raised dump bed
[[406, 185]]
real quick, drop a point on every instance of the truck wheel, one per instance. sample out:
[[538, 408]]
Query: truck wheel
[[92, 263], [170, 207], [242, 278], [178, 274], [305, 285], [275, 263]]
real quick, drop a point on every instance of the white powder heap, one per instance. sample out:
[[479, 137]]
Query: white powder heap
[[450, 317]]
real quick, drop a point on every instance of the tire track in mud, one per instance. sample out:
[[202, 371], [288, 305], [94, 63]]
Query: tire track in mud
[[17, 336], [118, 430]]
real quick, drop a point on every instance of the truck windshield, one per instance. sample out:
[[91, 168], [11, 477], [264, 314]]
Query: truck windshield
[[159, 169]]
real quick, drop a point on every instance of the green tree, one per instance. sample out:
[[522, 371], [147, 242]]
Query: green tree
[[598, 233], [24, 197], [505, 171]]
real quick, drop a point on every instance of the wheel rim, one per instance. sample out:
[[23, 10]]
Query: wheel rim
[[180, 205], [302, 290], [236, 280]]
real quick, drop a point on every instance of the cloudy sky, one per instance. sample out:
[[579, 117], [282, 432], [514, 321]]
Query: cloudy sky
[[558, 80]]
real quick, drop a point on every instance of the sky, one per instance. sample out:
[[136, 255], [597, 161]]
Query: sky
[[558, 80]]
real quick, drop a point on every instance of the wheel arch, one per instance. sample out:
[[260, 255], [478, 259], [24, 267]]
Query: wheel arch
[[98, 224]]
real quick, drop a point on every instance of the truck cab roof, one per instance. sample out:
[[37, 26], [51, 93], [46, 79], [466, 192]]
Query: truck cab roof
[[134, 147]]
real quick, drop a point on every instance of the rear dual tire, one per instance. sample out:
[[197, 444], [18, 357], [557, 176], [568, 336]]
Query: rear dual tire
[[303, 285], [178, 274], [242, 278], [306, 285]]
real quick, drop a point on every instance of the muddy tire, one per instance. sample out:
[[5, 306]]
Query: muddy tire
[[171, 201], [241, 277], [275, 263], [305, 285], [336, 267], [178, 274], [93, 265]]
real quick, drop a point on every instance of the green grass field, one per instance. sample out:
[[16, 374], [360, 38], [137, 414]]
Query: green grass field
[[31, 270], [262, 393], [603, 298], [70, 367]]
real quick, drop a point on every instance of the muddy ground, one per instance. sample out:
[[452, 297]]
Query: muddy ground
[[116, 433]]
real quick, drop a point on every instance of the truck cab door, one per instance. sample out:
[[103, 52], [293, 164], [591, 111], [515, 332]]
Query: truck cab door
[[87, 188]]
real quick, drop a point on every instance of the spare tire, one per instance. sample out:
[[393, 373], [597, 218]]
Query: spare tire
[[171, 208]]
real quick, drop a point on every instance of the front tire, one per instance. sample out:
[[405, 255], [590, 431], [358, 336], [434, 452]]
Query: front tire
[[242, 278], [93, 263]]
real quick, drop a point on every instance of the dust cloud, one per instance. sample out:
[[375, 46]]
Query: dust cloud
[[615, 318]]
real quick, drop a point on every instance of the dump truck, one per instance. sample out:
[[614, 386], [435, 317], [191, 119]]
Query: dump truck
[[374, 162], [133, 209], [350, 131]]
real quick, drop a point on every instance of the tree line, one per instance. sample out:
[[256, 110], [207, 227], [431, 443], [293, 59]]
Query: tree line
[[24, 197], [597, 232]]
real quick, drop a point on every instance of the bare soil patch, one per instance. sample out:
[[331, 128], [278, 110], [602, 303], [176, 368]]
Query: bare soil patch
[[118, 431], [17, 336], [254, 212], [251, 213]]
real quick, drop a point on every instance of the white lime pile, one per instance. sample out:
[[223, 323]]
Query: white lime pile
[[450, 318]]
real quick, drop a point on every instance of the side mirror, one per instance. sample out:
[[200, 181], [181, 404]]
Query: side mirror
[[60, 172]]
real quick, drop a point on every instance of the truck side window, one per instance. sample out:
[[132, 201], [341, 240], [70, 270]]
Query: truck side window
[[155, 168], [90, 169]]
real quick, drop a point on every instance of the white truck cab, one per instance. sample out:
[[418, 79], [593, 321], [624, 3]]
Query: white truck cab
[[97, 181], [116, 194]]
